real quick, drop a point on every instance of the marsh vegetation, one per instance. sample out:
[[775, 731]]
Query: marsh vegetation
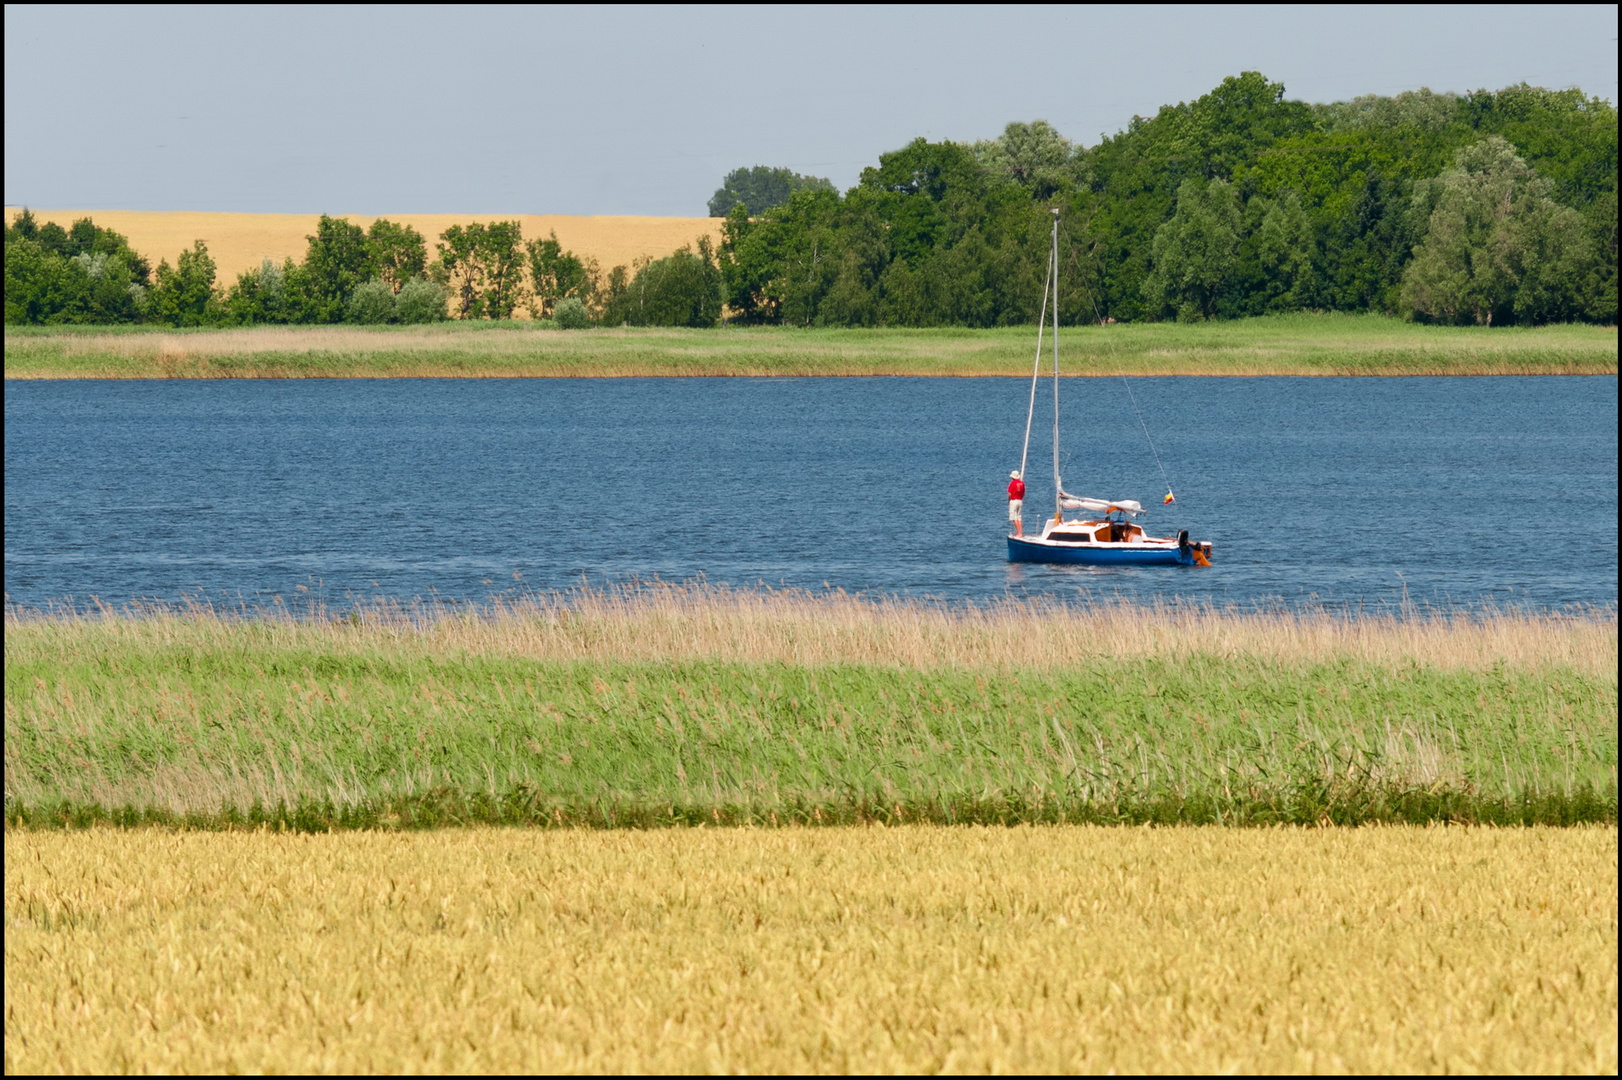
[[708, 706]]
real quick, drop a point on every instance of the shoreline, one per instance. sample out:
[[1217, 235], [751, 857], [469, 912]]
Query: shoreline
[[1302, 345], [275, 374]]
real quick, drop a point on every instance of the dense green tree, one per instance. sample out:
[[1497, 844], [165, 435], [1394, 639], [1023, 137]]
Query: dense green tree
[[260, 295], [115, 292], [572, 314], [1354, 187], [853, 294], [1566, 136], [83, 274], [54, 238], [372, 303], [852, 299], [760, 188], [336, 261], [556, 274], [1497, 247], [808, 257], [184, 295], [1033, 156], [44, 287], [1139, 171], [1571, 139], [87, 238], [1420, 109], [84, 237], [34, 285], [397, 253], [483, 266], [925, 239], [774, 269], [1600, 304], [25, 226], [1275, 270], [683, 289], [1194, 253], [746, 265], [933, 170], [1315, 212], [421, 301]]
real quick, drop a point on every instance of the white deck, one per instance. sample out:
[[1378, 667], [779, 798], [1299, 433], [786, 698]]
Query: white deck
[[1086, 531]]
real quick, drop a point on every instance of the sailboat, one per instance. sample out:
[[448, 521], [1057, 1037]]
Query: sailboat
[[1109, 536]]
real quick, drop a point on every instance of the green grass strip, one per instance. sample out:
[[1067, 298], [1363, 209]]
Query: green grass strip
[[251, 733], [1275, 345]]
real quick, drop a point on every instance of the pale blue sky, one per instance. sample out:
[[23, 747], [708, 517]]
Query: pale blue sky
[[599, 110]]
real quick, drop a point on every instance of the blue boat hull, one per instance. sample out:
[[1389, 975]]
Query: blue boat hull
[[1094, 555]]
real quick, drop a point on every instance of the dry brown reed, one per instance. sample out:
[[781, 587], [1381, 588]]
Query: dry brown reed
[[801, 628], [663, 622]]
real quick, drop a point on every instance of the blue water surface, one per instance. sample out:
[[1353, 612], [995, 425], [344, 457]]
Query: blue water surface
[[1315, 491]]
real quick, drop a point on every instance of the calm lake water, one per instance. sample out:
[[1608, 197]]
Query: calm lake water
[[1334, 492]]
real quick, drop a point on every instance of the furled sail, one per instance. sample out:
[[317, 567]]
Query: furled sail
[[1099, 506]]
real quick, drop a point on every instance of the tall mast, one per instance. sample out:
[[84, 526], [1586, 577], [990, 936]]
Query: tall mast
[[1036, 369], [1058, 486]]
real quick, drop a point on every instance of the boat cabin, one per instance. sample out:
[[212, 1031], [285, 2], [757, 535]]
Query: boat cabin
[[1093, 532]]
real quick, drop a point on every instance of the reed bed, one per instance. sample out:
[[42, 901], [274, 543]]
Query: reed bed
[[661, 622], [910, 950], [1278, 345], [662, 705]]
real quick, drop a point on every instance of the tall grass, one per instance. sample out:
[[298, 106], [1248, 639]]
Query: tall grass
[[1281, 345], [796, 627], [707, 705]]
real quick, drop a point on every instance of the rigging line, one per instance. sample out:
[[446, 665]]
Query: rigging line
[[1091, 299], [1132, 398], [1058, 484], [1036, 368], [1126, 383]]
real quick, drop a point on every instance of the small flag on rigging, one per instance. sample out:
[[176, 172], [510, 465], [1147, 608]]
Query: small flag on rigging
[[1168, 500]]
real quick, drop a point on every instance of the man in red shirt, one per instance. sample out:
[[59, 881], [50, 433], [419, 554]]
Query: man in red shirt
[[1016, 501]]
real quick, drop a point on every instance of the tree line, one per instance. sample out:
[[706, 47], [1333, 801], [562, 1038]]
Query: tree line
[[1494, 208], [1491, 208], [383, 274]]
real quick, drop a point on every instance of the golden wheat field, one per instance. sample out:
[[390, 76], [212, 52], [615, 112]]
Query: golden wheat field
[[239, 242], [879, 949]]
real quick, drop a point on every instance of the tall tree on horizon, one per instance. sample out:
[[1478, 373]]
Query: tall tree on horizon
[[1497, 247], [760, 188]]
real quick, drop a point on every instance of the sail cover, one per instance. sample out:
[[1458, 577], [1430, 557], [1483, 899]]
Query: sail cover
[[1099, 506]]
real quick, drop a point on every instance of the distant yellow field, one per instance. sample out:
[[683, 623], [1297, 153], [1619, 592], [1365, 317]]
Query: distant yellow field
[[1436, 950], [240, 242]]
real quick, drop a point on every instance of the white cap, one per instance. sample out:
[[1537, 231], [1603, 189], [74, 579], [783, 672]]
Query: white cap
[[1014, 475]]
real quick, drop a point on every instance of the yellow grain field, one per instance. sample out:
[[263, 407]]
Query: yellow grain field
[[908, 949], [239, 242]]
